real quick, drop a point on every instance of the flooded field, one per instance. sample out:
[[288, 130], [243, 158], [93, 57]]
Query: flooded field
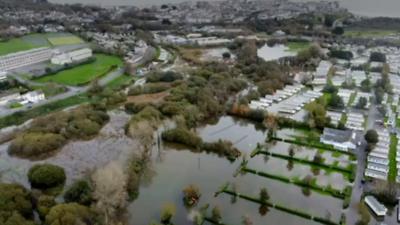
[[309, 153], [273, 53], [215, 54], [77, 157], [177, 167]]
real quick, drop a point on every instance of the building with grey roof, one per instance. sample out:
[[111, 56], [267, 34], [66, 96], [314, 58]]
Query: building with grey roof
[[340, 139]]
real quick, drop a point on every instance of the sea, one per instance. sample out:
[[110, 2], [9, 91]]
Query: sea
[[369, 8]]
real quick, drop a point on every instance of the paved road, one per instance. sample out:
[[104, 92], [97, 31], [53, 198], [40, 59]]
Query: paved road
[[358, 189], [71, 92]]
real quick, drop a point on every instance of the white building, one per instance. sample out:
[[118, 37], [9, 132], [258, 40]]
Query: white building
[[4, 99], [340, 139], [374, 205], [70, 57], [33, 96], [24, 58]]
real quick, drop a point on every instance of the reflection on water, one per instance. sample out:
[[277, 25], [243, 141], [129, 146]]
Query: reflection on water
[[177, 168]]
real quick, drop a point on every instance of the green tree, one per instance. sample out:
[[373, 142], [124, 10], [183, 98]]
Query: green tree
[[366, 85], [362, 102], [338, 31], [371, 137], [317, 115], [264, 196], [336, 101]]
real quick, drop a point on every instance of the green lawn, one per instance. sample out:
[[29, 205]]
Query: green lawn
[[120, 81], [369, 33], [15, 45], [85, 73], [66, 40], [392, 158], [298, 46], [31, 41]]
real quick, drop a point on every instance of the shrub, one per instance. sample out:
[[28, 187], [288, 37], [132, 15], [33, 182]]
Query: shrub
[[14, 198], [191, 195], [182, 136], [46, 176], [69, 214], [167, 213], [149, 89], [168, 76], [44, 204], [83, 128], [79, 192], [341, 54], [34, 144], [256, 115], [216, 214], [132, 107], [14, 218], [222, 148]]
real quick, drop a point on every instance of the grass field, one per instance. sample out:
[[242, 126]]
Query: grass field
[[392, 159], [84, 73], [67, 40], [369, 33], [120, 81], [37, 40], [298, 46], [15, 45]]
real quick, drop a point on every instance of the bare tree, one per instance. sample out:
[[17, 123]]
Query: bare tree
[[110, 190]]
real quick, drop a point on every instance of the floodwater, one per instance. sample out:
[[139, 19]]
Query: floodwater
[[178, 167], [274, 53], [212, 54], [175, 167], [77, 157]]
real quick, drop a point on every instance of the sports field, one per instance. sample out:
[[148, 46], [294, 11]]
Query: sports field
[[15, 45], [38, 40], [85, 73], [67, 40]]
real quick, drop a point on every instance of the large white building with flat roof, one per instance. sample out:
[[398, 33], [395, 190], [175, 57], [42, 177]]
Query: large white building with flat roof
[[25, 58], [70, 57]]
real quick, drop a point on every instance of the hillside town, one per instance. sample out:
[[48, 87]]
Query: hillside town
[[201, 112]]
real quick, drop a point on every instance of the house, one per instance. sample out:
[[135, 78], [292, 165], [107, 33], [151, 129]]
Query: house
[[340, 139], [3, 76], [33, 96], [375, 206]]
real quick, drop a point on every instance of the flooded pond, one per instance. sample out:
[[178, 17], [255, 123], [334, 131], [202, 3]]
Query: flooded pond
[[273, 53], [177, 167], [211, 54]]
